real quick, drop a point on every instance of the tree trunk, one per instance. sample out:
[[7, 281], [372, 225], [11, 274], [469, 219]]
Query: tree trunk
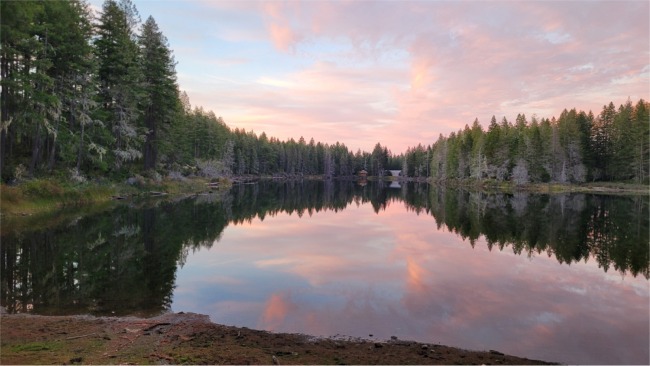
[[81, 146], [150, 143], [4, 113], [50, 163], [3, 149], [36, 150]]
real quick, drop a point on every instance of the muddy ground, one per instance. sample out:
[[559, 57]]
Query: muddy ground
[[193, 339]]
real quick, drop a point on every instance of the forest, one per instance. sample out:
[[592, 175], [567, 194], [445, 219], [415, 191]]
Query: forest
[[86, 97]]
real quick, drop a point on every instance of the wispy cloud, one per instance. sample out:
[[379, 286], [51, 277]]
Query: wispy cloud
[[403, 72]]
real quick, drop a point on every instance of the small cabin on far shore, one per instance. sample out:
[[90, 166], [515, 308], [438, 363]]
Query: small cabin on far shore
[[362, 173]]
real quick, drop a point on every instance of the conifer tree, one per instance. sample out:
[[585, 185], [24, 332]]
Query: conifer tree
[[160, 103], [19, 47], [120, 80], [73, 69]]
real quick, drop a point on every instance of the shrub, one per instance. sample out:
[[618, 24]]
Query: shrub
[[76, 177], [44, 188]]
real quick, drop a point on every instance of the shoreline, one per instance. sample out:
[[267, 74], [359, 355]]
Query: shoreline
[[42, 196], [188, 338]]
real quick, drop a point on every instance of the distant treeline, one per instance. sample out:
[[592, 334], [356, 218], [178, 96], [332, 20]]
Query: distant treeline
[[86, 98], [576, 147]]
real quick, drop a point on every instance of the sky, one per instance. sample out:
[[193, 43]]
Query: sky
[[401, 72]]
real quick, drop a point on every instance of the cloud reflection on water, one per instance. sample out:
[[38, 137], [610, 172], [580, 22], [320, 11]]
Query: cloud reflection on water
[[356, 273]]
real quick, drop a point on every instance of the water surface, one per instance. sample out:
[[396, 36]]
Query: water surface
[[560, 278]]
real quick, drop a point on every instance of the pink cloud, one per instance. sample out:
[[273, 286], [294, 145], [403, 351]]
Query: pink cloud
[[402, 74], [275, 311], [282, 36]]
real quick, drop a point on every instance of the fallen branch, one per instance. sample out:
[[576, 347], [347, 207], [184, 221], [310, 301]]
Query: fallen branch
[[161, 356], [154, 325], [81, 336]]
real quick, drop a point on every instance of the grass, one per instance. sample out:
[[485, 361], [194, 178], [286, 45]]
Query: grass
[[36, 346], [40, 196], [548, 188]]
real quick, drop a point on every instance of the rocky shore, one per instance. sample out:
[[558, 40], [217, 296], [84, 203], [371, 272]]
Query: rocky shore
[[186, 338]]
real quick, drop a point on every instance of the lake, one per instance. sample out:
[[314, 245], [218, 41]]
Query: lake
[[559, 277]]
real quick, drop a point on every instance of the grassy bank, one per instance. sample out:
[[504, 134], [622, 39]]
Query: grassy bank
[[594, 187], [543, 188], [39, 196], [44, 195]]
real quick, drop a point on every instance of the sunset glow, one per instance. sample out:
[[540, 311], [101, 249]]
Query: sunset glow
[[401, 73], [394, 273]]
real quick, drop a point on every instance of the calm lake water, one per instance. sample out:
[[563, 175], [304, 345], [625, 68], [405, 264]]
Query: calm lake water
[[560, 278]]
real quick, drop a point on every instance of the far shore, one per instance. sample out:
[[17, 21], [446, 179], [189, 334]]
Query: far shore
[[41, 196]]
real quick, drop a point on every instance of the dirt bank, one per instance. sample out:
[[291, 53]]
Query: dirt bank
[[193, 339]]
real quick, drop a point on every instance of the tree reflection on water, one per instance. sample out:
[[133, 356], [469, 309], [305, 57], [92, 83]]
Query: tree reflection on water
[[124, 261]]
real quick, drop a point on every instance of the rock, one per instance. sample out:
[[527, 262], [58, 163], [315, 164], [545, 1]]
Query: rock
[[275, 360], [424, 346], [393, 338], [378, 345], [496, 352]]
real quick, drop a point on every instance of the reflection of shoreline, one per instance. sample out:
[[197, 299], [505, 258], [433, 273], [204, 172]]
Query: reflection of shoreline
[[613, 230]]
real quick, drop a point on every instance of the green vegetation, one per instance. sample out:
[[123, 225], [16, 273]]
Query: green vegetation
[[578, 147], [50, 194], [42, 196], [36, 346], [87, 99]]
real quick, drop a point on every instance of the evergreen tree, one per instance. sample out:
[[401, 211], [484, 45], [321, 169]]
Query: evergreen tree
[[20, 45], [120, 80], [478, 165], [602, 141], [73, 69], [160, 102], [641, 141]]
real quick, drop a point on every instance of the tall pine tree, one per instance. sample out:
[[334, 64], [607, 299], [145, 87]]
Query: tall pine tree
[[120, 80], [161, 102]]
